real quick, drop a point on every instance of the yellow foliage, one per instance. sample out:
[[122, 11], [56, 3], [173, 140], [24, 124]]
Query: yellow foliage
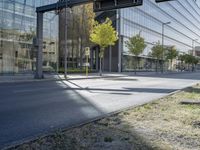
[[104, 34]]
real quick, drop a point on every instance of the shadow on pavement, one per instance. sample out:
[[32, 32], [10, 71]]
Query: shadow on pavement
[[183, 75], [127, 90], [35, 108], [30, 112]]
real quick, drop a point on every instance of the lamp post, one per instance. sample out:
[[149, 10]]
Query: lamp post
[[193, 51], [163, 30], [193, 48]]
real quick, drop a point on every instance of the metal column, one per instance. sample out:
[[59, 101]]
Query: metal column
[[39, 41], [163, 52], [110, 58], [66, 51], [119, 41]]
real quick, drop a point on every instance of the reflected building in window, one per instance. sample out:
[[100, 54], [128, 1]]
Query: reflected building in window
[[17, 30], [147, 20]]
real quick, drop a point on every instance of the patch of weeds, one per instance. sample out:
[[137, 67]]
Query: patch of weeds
[[147, 106], [103, 122], [154, 103], [126, 126], [116, 121], [196, 124], [191, 95], [185, 122], [166, 119], [125, 139], [108, 139], [41, 141], [191, 107], [126, 113], [137, 109]]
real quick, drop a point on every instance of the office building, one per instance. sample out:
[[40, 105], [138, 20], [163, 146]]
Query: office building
[[17, 30]]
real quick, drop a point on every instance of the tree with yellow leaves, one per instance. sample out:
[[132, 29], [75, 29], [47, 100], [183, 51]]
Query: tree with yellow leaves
[[104, 35]]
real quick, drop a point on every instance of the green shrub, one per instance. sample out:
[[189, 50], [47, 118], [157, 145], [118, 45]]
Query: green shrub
[[74, 70]]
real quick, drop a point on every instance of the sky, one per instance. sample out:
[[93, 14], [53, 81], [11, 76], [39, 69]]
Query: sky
[[198, 2]]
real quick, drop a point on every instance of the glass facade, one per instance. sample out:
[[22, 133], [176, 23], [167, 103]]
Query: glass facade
[[147, 20], [17, 30]]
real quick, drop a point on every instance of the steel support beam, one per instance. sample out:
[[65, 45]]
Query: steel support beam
[[110, 58], [39, 45], [119, 41], [61, 5]]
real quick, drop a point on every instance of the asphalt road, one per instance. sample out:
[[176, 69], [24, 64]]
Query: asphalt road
[[34, 108]]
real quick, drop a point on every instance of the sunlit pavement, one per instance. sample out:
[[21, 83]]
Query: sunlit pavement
[[28, 109]]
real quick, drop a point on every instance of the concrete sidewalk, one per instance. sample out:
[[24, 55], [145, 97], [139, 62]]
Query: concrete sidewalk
[[57, 77], [54, 77]]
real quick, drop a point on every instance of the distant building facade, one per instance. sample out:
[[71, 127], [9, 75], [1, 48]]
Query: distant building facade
[[196, 51], [147, 20]]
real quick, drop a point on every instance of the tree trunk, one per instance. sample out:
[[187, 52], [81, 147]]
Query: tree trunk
[[135, 66], [181, 66], [81, 53], [101, 55], [156, 65], [77, 53], [138, 62], [73, 53], [100, 67], [171, 65]]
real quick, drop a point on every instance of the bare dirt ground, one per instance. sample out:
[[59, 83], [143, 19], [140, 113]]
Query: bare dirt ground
[[164, 124]]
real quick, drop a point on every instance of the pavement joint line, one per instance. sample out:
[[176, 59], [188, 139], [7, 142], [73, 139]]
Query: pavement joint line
[[63, 129]]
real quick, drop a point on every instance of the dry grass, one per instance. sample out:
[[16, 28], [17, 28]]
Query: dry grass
[[163, 124]]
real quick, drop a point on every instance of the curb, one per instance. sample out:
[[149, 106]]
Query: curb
[[63, 129], [95, 77], [61, 79]]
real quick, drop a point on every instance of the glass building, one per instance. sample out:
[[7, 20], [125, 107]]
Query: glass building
[[183, 32], [17, 30]]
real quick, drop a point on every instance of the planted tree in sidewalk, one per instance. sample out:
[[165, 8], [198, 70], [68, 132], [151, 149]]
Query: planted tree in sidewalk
[[189, 60], [195, 62], [104, 35], [157, 53], [136, 46], [172, 53], [182, 59]]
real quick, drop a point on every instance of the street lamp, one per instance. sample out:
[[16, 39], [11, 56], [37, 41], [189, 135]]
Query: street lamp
[[163, 30], [193, 49]]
